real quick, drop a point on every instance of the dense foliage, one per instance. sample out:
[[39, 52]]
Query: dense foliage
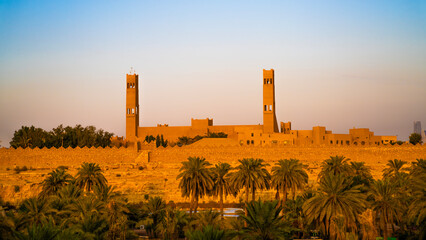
[[345, 203], [184, 140], [415, 138], [77, 136]]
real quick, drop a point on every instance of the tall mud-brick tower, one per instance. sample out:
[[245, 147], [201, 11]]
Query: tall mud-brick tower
[[270, 124], [132, 106]]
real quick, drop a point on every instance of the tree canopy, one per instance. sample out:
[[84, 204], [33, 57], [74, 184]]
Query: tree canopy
[[60, 136]]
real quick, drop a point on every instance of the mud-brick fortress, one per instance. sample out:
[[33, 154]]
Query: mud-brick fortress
[[268, 134]]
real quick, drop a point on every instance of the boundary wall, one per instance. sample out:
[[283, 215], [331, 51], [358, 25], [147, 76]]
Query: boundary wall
[[154, 171]]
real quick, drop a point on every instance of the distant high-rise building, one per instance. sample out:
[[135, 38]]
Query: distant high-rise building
[[417, 127]]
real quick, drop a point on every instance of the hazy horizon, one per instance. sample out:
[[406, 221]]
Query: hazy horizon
[[337, 64]]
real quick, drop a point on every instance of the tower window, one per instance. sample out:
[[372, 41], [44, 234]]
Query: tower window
[[133, 111], [270, 107], [264, 81], [266, 108]]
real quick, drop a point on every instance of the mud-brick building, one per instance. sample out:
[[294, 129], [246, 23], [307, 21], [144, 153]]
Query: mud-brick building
[[267, 134]]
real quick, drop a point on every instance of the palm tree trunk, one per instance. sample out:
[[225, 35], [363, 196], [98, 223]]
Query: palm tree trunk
[[221, 201], [277, 195], [385, 230], [284, 195], [253, 188], [196, 204], [247, 193], [191, 200], [247, 198]]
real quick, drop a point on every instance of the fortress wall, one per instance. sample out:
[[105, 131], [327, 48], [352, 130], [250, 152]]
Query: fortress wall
[[158, 177]]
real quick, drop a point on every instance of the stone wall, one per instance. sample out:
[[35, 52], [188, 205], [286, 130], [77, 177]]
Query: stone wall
[[154, 171]]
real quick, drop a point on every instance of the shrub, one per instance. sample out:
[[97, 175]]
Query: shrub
[[63, 167], [118, 175], [7, 169], [17, 188], [17, 169], [140, 168]]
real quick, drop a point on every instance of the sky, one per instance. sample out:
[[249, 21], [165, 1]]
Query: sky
[[339, 64]]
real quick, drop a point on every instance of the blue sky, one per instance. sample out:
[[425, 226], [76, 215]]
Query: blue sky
[[339, 64]]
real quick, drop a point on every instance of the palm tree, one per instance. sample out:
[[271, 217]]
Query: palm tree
[[35, 210], [205, 218], [394, 169], [360, 169], [89, 175], [88, 205], [155, 207], [263, 178], [70, 193], [195, 180], [417, 207], [386, 206], [40, 231], [172, 224], [208, 233], [335, 197], [115, 208], [250, 174], [222, 185], [56, 179], [334, 165], [288, 175], [264, 221], [92, 226]]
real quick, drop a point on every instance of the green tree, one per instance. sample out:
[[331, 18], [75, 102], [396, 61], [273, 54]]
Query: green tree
[[385, 206], [335, 165], [206, 218], [264, 221], [41, 231], [157, 141], [395, 170], [172, 224], [251, 174], [222, 185], [155, 207], [55, 180], [335, 198], [92, 226], [195, 180], [115, 209], [90, 175], [361, 170], [416, 138], [417, 207], [208, 233], [288, 175], [35, 210]]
